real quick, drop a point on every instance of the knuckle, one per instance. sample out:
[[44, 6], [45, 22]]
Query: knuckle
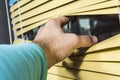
[[84, 41], [75, 38], [52, 22], [87, 42]]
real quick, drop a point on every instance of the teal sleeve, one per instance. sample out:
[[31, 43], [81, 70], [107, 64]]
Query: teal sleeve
[[24, 61]]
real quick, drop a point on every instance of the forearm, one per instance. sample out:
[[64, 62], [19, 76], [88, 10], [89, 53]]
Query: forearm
[[22, 62]]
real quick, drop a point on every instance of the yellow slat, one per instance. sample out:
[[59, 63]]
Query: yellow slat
[[98, 12], [29, 6], [86, 75], [30, 27], [58, 11], [18, 4], [61, 70], [103, 67], [52, 4], [57, 77], [105, 55], [95, 7], [18, 41], [81, 74]]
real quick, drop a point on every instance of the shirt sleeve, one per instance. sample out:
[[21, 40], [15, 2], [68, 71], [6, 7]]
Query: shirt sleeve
[[25, 61]]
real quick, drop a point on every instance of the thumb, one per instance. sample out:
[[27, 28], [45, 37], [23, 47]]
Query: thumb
[[86, 41]]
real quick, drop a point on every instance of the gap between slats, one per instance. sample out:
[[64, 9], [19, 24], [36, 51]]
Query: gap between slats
[[56, 12]]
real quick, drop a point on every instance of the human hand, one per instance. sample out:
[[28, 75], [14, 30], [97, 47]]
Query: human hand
[[58, 45]]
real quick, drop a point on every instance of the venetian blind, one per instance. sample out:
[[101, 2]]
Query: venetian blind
[[100, 62], [29, 14]]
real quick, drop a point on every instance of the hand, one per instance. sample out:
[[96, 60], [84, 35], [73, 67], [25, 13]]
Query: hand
[[58, 45]]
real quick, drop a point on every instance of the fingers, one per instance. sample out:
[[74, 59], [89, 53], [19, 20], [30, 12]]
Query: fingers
[[39, 32], [60, 21], [41, 28], [86, 41]]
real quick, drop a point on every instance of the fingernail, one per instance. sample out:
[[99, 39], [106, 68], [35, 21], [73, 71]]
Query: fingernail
[[94, 39]]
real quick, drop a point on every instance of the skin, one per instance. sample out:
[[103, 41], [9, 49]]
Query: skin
[[58, 45]]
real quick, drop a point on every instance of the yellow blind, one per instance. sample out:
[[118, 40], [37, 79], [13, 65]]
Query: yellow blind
[[30, 14], [101, 61]]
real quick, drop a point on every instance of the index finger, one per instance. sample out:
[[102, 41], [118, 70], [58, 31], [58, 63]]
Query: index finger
[[59, 21], [86, 41], [62, 20]]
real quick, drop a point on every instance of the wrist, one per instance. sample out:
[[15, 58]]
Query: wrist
[[47, 51]]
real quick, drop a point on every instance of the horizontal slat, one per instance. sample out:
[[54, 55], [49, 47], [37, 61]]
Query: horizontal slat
[[82, 74], [30, 27], [29, 6], [107, 4], [87, 75], [57, 77], [61, 70], [18, 41], [98, 12], [18, 4], [57, 11], [103, 67], [108, 55], [52, 4]]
